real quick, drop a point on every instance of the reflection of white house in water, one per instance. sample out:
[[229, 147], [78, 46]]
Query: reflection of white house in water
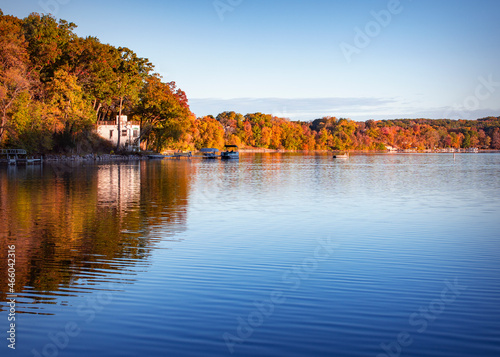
[[129, 132], [119, 185]]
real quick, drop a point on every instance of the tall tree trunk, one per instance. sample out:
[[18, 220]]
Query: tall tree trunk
[[4, 115], [102, 114], [2, 126], [119, 125], [97, 111]]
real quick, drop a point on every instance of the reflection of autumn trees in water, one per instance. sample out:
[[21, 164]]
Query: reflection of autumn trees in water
[[66, 220]]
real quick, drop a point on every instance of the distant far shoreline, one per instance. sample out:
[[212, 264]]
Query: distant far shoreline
[[439, 151]]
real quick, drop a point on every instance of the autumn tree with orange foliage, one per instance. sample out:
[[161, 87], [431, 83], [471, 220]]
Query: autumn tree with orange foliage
[[55, 86]]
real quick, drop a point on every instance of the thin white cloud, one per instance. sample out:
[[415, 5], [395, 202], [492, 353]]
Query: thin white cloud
[[293, 108], [359, 109]]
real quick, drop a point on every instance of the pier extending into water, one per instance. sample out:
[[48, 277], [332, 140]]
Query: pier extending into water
[[17, 157]]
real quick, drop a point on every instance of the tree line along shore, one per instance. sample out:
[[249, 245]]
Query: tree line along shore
[[56, 86]]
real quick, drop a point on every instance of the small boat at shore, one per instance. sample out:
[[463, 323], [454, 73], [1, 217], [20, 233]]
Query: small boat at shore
[[210, 153], [341, 156], [230, 152]]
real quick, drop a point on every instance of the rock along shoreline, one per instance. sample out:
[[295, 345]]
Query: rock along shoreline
[[52, 158]]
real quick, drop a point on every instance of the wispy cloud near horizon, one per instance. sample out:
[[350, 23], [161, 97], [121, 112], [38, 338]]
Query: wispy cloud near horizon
[[293, 108], [359, 109]]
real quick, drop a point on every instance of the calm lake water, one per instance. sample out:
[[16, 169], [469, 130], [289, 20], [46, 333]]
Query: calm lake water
[[274, 255]]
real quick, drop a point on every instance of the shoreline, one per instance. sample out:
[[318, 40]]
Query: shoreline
[[91, 158], [105, 158]]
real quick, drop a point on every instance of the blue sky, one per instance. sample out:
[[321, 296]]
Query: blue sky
[[377, 59]]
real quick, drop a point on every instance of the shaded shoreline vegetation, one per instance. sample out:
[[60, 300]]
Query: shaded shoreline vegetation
[[56, 86]]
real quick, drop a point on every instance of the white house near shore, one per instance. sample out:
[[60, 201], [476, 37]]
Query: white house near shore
[[129, 132]]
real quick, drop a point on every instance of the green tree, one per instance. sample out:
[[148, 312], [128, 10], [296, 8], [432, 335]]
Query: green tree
[[130, 71], [48, 43], [92, 63], [32, 129]]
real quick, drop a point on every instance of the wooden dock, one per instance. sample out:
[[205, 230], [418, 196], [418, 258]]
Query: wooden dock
[[17, 157]]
